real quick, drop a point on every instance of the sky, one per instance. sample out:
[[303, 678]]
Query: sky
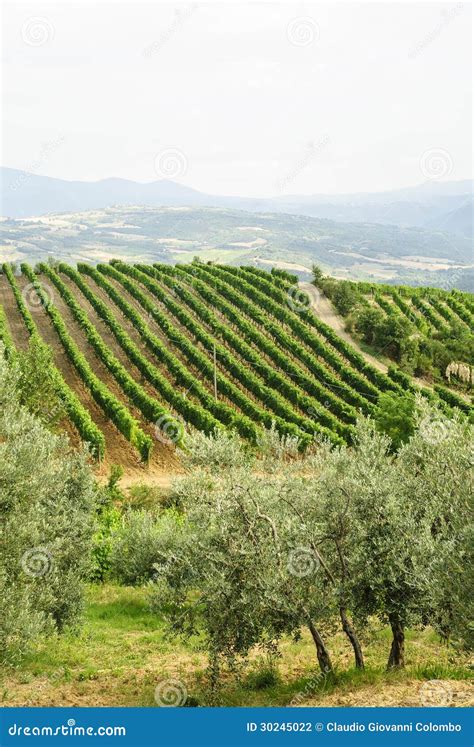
[[251, 99]]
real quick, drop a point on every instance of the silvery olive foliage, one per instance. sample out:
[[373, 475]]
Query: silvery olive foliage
[[332, 538], [235, 572], [441, 455], [142, 540], [47, 501], [273, 446], [221, 449]]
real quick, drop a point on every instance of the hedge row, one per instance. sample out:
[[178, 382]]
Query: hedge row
[[304, 333], [76, 412], [112, 407], [197, 358], [310, 384], [277, 391]]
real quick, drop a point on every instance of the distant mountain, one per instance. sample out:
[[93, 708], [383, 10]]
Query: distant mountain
[[458, 221], [431, 205]]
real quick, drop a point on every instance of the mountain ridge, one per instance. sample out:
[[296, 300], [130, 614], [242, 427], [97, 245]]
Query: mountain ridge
[[426, 205]]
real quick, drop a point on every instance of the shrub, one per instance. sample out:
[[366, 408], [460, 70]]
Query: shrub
[[218, 450], [141, 542], [108, 523], [47, 501]]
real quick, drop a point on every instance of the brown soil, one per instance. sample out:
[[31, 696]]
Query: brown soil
[[15, 321], [323, 308], [118, 449]]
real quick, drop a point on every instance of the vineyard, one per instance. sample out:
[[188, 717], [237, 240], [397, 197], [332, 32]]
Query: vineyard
[[426, 331], [143, 353]]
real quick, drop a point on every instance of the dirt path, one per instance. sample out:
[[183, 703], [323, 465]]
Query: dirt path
[[323, 308]]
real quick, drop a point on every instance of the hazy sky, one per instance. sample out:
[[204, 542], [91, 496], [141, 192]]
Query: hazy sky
[[240, 98]]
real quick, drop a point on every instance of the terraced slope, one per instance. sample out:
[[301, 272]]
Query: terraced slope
[[143, 352], [427, 331]]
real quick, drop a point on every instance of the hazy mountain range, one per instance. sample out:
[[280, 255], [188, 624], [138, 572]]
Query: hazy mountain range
[[442, 206]]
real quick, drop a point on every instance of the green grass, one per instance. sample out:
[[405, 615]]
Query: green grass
[[123, 651]]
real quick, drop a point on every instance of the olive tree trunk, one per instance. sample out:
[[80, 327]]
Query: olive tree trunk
[[321, 651], [397, 650], [352, 635]]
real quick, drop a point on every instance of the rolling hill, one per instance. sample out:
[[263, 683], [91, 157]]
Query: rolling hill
[[432, 204], [139, 234]]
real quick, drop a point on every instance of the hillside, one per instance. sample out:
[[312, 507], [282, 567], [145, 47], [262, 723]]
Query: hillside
[[426, 331], [144, 352], [383, 253], [432, 204]]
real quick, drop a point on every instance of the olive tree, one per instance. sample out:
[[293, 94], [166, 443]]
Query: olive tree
[[347, 533], [407, 513], [237, 571], [46, 504], [441, 454]]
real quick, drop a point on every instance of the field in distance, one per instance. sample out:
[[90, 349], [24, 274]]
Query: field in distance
[[362, 251]]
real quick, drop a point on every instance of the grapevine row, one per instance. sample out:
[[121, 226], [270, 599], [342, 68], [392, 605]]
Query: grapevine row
[[378, 379], [233, 366], [428, 312], [202, 418], [311, 384], [148, 406], [76, 412], [112, 407], [303, 332], [5, 335], [460, 309], [272, 378]]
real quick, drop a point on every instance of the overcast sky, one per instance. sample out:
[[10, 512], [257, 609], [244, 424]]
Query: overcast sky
[[253, 99]]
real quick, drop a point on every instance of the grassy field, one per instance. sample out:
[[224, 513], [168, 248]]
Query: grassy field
[[122, 653]]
